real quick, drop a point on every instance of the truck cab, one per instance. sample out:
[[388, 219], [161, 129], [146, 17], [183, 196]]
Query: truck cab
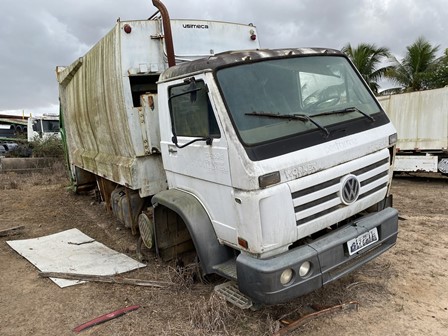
[[290, 155], [43, 127]]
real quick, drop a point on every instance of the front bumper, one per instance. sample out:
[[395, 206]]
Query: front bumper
[[260, 278]]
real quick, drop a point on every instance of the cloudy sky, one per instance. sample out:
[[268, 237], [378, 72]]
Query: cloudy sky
[[38, 35]]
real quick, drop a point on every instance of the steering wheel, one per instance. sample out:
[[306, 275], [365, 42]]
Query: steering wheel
[[324, 103]]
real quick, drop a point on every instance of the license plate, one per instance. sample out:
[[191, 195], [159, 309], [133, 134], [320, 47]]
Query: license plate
[[362, 241]]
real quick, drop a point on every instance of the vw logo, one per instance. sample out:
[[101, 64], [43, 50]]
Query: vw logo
[[350, 188]]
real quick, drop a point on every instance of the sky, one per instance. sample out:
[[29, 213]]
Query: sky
[[36, 36]]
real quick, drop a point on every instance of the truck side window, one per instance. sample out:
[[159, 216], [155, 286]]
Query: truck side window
[[37, 126], [51, 126], [192, 117]]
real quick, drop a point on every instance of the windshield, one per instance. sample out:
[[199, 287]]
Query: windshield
[[316, 91], [51, 125]]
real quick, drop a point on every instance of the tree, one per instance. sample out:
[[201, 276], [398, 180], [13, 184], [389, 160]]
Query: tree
[[438, 77], [413, 71], [368, 59]]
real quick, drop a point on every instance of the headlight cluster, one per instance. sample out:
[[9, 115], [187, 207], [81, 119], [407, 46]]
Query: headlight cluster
[[287, 276]]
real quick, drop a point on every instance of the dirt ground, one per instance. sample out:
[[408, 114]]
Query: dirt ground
[[403, 292]]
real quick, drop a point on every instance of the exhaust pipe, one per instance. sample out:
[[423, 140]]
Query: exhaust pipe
[[167, 31]]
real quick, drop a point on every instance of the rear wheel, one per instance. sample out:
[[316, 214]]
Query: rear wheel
[[145, 243]]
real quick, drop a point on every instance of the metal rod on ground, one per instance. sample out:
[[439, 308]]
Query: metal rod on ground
[[11, 231], [306, 318], [105, 278], [105, 318]]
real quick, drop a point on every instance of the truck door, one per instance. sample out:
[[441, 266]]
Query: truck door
[[196, 158]]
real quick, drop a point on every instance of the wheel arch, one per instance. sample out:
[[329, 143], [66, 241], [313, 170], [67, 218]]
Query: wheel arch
[[198, 223]]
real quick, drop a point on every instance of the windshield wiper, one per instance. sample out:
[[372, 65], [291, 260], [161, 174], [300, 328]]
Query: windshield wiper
[[346, 110], [301, 117]]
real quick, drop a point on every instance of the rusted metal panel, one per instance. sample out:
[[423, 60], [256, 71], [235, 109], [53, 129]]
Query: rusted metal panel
[[421, 118], [149, 121]]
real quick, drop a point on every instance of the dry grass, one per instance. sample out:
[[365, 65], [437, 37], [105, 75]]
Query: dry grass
[[54, 175], [184, 276], [9, 181], [211, 316]]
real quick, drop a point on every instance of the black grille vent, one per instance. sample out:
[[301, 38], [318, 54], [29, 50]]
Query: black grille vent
[[324, 198]]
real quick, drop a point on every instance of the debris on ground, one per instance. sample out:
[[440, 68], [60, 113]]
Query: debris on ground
[[77, 253], [289, 326], [105, 318], [11, 231], [105, 278]]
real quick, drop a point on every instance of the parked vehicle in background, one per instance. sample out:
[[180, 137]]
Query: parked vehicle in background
[[273, 165], [43, 127], [421, 119], [28, 136]]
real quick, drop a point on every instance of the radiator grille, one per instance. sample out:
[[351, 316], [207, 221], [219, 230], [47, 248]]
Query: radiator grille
[[324, 198]]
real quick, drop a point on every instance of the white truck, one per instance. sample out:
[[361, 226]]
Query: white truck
[[274, 166], [43, 127], [421, 119]]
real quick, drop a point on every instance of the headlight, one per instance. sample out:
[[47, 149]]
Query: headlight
[[286, 276], [393, 139], [305, 269]]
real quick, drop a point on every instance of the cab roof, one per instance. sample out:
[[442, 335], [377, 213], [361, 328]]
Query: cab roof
[[233, 57]]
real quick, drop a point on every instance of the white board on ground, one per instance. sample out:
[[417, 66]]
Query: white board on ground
[[72, 251]]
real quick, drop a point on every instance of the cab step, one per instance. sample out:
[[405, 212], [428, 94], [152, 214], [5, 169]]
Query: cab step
[[230, 292], [227, 269]]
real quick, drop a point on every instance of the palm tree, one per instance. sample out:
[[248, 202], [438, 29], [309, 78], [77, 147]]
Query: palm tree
[[412, 72], [368, 59], [438, 77]]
